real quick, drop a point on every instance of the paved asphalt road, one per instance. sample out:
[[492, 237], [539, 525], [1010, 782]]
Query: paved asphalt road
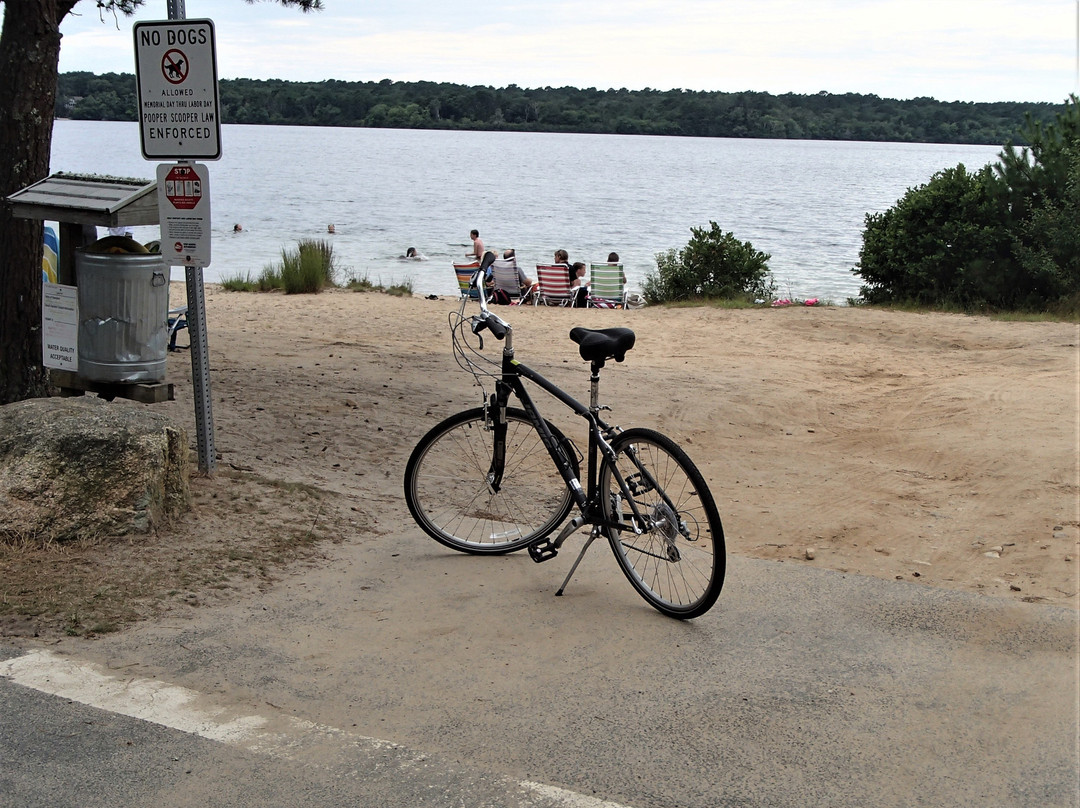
[[801, 688], [57, 753]]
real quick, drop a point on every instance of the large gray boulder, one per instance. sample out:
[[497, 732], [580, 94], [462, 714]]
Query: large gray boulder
[[83, 468]]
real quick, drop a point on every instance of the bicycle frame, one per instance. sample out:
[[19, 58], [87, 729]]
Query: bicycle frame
[[513, 372], [511, 383], [478, 482]]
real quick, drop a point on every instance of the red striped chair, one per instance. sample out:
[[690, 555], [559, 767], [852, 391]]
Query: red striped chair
[[554, 283]]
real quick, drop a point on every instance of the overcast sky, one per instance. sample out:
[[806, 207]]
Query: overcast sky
[[951, 50]]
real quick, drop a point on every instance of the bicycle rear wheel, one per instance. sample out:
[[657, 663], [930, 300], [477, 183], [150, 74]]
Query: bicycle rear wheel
[[677, 561], [447, 490]]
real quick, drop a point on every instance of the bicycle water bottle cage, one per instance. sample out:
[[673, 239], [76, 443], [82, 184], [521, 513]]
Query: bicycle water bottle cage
[[598, 345]]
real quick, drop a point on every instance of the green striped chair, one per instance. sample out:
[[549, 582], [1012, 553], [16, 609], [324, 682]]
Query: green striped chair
[[608, 284]]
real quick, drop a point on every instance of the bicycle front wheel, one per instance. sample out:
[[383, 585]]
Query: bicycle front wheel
[[447, 489], [673, 550]]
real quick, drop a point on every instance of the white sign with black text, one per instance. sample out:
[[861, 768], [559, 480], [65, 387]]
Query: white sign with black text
[[184, 212], [60, 326], [177, 87]]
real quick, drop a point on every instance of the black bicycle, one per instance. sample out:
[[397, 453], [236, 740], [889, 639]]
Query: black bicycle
[[482, 480]]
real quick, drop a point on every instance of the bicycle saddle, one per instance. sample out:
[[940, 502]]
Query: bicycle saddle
[[598, 345]]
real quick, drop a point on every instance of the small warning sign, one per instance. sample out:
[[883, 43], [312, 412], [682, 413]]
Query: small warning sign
[[183, 188], [184, 212]]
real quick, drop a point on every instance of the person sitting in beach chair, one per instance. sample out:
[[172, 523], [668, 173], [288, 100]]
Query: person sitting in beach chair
[[512, 285], [579, 284], [608, 287], [553, 285]]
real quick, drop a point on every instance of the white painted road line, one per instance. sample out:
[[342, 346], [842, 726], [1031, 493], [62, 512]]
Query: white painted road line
[[189, 711]]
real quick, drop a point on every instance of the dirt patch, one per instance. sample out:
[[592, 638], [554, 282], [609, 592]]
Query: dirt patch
[[931, 448], [241, 532]]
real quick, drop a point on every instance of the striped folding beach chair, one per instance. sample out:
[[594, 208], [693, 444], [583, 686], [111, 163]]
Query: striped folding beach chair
[[464, 273], [608, 286], [504, 272], [554, 283]]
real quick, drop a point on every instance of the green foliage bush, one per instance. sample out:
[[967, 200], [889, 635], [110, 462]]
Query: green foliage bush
[[1005, 237], [308, 268], [944, 242], [714, 264], [238, 283]]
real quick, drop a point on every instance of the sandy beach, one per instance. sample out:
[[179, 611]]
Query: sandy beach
[[931, 448]]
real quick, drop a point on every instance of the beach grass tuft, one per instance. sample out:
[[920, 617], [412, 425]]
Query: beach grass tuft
[[239, 283], [364, 283], [308, 268]]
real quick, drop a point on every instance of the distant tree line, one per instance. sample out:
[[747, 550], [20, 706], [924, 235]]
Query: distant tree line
[[430, 105]]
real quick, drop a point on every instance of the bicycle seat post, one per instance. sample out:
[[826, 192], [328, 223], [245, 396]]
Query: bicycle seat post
[[594, 387]]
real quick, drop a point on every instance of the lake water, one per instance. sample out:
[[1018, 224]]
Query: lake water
[[384, 190]]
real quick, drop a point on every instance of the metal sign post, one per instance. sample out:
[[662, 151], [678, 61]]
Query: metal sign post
[[167, 62]]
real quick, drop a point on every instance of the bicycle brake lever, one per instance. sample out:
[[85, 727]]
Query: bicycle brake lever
[[479, 325]]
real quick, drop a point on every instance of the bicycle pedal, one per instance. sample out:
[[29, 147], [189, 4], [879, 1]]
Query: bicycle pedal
[[543, 551]]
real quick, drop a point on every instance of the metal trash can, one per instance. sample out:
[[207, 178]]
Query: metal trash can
[[123, 316]]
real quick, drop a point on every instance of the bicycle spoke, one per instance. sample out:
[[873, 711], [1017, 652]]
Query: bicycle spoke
[[449, 494], [676, 560]]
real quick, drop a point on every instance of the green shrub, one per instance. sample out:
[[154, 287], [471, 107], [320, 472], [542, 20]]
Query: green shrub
[[1004, 238], [307, 268], [361, 284], [1044, 198], [943, 243], [270, 279], [714, 264], [321, 251]]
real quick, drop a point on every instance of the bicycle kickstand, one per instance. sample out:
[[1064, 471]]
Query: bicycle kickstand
[[548, 549], [569, 575]]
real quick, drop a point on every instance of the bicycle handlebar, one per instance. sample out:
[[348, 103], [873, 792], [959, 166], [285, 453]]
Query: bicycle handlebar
[[491, 322], [486, 319]]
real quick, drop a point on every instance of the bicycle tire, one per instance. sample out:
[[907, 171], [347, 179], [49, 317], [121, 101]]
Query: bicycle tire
[[447, 490], [680, 572]]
